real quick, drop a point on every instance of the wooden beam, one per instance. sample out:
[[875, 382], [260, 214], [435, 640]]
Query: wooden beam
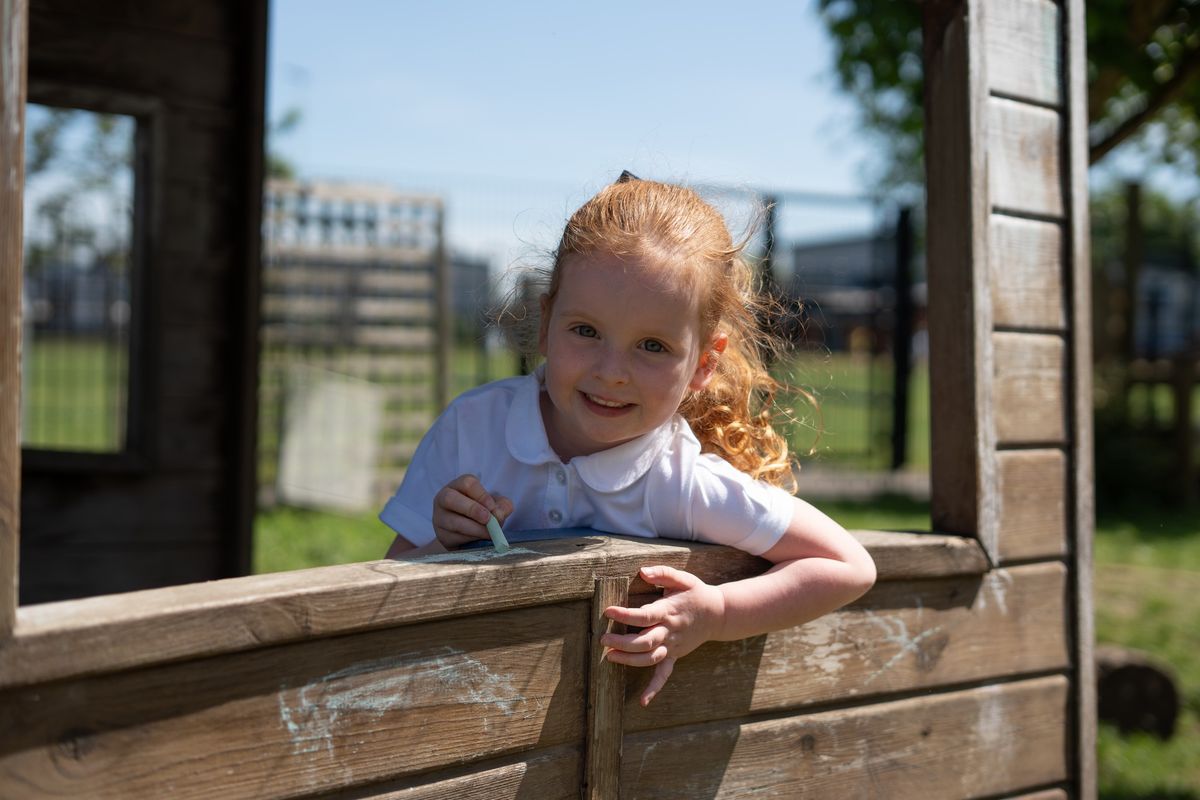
[[606, 697], [1081, 476], [907, 636], [14, 25], [982, 742], [962, 434], [308, 717], [102, 634]]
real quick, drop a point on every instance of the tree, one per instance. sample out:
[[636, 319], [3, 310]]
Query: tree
[[1143, 64]]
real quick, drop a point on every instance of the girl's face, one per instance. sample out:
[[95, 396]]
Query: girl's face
[[622, 343]]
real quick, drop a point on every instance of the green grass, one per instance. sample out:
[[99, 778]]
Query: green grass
[[74, 394]]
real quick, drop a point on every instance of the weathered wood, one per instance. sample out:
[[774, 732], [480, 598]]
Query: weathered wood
[[1023, 49], [903, 636], [1081, 483], [554, 773], [1026, 276], [1030, 388], [307, 717], [14, 21], [60, 571], [978, 742], [99, 634], [606, 695], [901, 556], [962, 431], [184, 17], [1024, 170], [1033, 504], [109, 52]]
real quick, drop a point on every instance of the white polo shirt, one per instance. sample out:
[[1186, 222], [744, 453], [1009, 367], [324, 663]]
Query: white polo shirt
[[659, 484]]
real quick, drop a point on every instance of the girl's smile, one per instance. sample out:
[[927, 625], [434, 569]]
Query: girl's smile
[[622, 347]]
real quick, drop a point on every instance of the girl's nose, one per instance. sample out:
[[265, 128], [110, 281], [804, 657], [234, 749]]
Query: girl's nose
[[610, 367]]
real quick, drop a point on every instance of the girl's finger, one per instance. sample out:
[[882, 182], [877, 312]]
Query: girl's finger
[[669, 577], [642, 642], [643, 617], [504, 508], [470, 486], [451, 500], [655, 656], [657, 681]]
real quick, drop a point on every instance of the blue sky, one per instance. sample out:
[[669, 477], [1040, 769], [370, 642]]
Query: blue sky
[[538, 104]]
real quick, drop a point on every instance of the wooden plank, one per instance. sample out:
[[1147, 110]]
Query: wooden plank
[[1023, 49], [1033, 504], [106, 52], [1030, 393], [306, 717], [901, 556], [166, 508], [1024, 170], [972, 743], [1081, 486], [553, 773], [1026, 273], [902, 636], [60, 572], [962, 431], [100, 634], [14, 21], [187, 17], [606, 695]]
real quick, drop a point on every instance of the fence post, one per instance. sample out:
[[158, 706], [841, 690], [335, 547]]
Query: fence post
[[14, 21], [902, 338]]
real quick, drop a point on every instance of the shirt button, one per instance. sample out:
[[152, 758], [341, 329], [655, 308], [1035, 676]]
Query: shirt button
[[556, 516], [561, 475]]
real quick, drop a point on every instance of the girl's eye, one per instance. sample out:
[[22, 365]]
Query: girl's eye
[[654, 346], [585, 330]]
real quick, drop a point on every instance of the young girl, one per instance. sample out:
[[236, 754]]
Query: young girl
[[642, 422]]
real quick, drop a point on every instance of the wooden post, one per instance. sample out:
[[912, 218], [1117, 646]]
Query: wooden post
[[902, 337], [1009, 301], [606, 699], [14, 26]]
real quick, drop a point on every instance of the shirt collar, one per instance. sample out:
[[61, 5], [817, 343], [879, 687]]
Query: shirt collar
[[610, 470]]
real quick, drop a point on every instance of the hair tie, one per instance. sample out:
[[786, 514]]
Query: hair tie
[[627, 176]]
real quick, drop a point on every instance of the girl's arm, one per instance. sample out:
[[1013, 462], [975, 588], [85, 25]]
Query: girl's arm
[[818, 567]]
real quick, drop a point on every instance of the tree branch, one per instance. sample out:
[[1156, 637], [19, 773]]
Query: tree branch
[[1162, 96]]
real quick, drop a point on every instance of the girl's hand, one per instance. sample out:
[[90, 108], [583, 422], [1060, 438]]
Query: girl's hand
[[689, 614], [461, 509]]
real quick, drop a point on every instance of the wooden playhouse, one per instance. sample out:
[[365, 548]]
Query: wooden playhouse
[[966, 672]]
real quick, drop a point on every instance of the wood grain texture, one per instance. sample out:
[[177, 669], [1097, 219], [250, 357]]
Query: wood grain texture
[[14, 21], [306, 717], [109, 52], [552, 773], [1081, 487], [1030, 393], [953, 745], [1033, 504], [1023, 49], [606, 696], [1024, 169], [99, 634], [902, 636], [1026, 273], [962, 432]]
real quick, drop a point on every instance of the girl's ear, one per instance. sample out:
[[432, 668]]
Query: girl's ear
[[543, 322], [708, 362]]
